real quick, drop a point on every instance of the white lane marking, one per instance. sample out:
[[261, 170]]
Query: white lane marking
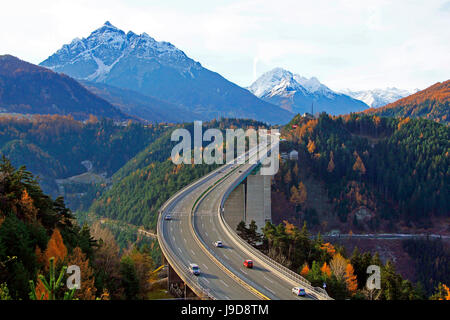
[[268, 279], [184, 240], [269, 290], [206, 280], [227, 297], [173, 239], [205, 266], [244, 271], [193, 252], [224, 283], [206, 233], [226, 256]]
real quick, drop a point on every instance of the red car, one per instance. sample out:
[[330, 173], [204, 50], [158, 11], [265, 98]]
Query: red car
[[248, 264]]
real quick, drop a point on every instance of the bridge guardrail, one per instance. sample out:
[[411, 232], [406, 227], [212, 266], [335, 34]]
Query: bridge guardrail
[[185, 275]]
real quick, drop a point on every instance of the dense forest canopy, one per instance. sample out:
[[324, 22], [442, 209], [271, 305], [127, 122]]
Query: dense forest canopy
[[145, 182], [344, 275], [40, 236], [396, 168], [54, 147]]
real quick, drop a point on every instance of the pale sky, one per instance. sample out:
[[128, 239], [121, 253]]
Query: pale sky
[[356, 44]]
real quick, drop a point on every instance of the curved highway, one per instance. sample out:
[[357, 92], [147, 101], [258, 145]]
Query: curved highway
[[197, 223]]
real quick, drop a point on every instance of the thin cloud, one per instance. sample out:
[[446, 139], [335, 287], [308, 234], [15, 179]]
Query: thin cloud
[[345, 43]]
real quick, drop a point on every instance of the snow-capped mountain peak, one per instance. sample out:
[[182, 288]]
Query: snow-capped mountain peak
[[108, 45], [300, 94], [138, 63], [274, 81]]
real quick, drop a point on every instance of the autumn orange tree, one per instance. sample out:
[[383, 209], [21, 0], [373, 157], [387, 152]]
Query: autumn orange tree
[[326, 269], [305, 270], [442, 293], [28, 208], [350, 279], [88, 289], [311, 146], [55, 248], [359, 164]]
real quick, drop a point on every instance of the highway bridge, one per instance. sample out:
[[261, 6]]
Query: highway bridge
[[197, 221]]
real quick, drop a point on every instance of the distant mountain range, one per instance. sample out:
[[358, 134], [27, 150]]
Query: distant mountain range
[[299, 94], [158, 70], [29, 89], [378, 97], [431, 103], [128, 76]]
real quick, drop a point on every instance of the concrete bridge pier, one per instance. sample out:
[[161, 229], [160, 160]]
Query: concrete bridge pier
[[258, 204], [176, 285], [250, 201]]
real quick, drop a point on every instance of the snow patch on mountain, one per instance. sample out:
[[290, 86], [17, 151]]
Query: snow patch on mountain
[[378, 97]]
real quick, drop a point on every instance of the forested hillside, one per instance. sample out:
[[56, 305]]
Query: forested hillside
[[373, 173], [345, 275], [431, 103], [143, 184], [29, 89], [135, 159], [38, 233], [54, 147]]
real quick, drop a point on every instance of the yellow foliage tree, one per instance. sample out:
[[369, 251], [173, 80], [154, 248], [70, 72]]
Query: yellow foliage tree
[[303, 193], [299, 195], [338, 266]]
